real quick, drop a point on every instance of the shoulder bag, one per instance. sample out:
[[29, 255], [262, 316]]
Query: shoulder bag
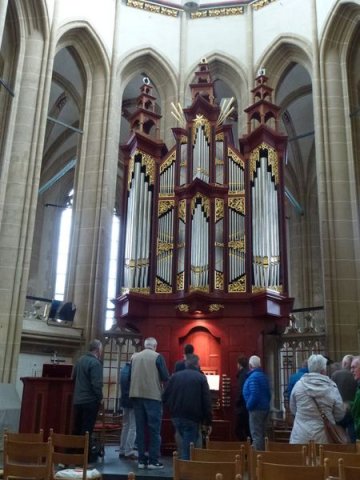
[[335, 433]]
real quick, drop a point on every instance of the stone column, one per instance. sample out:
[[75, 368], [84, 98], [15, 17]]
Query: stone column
[[18, 202], [337, 206]]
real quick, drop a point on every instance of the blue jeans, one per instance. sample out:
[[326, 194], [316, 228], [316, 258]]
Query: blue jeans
[[189, 432], [148, 414], [257, 424]]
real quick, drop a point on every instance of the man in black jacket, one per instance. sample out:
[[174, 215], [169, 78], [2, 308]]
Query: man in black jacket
[[187, 396], [88, 376], [242, 429]]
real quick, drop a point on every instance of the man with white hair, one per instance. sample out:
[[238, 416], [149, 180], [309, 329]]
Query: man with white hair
[[257, 396], [148, 371]]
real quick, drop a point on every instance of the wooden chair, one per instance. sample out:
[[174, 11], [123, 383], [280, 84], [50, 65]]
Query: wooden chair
[[347, 472], [224, 445], [272, 446], [280, 458], [24, 437], [27, 459], [70, 450], [349, 459], [341, 447], [191, 470], [212, 455], [272, 471]]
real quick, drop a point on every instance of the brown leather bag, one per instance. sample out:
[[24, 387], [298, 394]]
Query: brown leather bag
[[335, 433]]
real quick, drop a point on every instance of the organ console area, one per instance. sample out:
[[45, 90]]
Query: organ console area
[[203, 238]]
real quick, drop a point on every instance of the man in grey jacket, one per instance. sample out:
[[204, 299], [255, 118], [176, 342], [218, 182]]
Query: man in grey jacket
[[88, 376], [148, 371]]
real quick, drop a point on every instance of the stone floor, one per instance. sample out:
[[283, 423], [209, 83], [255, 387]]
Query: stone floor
[[113, 468]]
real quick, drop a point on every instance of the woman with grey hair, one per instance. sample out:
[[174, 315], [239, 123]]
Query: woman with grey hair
[[308, 424]]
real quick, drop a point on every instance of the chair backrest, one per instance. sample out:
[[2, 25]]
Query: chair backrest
[[272, 471], [70, 450], [24, 437], [285, 447], [192, 470], [27, 459], [212, 455], [339, 447], [349, 459], [348, 472], [224, 445], [280, 458]]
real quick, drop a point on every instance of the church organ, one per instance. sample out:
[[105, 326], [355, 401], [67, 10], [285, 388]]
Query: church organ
[[204, 238]]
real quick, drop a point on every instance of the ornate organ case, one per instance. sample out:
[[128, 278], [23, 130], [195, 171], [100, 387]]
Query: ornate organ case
[[204, 255]]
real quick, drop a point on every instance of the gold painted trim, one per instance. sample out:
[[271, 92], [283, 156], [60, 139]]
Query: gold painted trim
[[148, 162], [180, 281], [219, 280], [205, 202], [182, 210], [261, 3], [199, 289], [237, 204], [199, 122], [235, 158], [273, 161], [144, 291], [169, 161], [182, 307], [164, 247], [215, 307], [165, 206], [162, 287], [219, 209], [218, 12], [219, 137], [153, 8], [238, 285]]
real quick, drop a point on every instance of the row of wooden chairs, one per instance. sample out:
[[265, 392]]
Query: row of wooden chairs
[[27, 456], [325, 458], [209, 469]]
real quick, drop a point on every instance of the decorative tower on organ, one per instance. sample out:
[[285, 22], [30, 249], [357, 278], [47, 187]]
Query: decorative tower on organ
[[204, 239]]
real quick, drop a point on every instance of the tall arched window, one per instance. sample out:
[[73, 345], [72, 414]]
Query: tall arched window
[[113, 270], [63, 248]]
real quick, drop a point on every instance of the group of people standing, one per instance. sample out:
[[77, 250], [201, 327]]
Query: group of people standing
[[146, 386], [310, 393], [338, 397], [186, 394]]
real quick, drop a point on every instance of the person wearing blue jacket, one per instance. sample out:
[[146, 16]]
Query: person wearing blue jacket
[[256, 392], [295, 377]]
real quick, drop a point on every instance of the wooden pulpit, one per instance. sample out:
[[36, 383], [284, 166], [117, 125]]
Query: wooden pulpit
[[47, 403]]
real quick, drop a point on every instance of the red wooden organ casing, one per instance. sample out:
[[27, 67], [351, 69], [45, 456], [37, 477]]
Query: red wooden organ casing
[[203, 244]]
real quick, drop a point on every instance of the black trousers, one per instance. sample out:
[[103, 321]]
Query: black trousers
[[85, 417], [242, 430]]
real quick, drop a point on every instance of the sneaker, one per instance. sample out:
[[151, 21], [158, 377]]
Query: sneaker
[[155, 466], [132, 456], [141, 465]]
